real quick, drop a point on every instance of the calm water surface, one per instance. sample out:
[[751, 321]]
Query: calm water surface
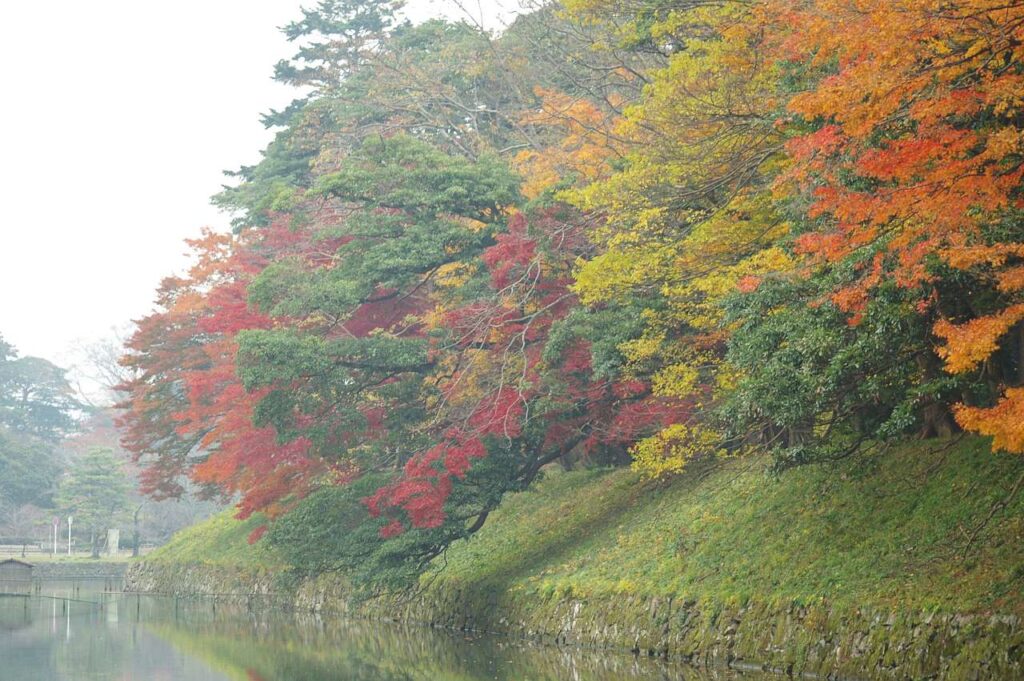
[[83, 634]]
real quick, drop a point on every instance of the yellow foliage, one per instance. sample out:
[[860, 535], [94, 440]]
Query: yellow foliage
[[690, 214], [454, 274], [671, 449], [675, 380], [625, 270]]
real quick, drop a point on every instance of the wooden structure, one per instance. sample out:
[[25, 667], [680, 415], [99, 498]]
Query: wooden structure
[[15, 578]]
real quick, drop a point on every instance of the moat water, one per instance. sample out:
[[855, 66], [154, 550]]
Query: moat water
[[85, 632]]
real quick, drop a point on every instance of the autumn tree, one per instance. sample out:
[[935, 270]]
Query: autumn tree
[[616, 232], [828, 153], [687, 213], [396, 320], [911, 168]]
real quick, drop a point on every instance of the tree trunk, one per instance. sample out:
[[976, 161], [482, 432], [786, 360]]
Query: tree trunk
[[936, 419], [1020, 354], [135, 533]]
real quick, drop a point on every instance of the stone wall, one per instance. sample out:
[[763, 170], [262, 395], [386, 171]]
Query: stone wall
[[793, 639], [79, 570], [193, 579]]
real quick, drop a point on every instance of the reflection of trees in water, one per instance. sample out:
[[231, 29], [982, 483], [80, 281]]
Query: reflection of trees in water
[[287, 647], [89, 648], [63, 639], [28, 644], [14, 613], [113, 642], [142, 637]]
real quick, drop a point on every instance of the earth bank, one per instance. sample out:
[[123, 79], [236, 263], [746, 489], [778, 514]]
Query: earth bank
[[902, 565]]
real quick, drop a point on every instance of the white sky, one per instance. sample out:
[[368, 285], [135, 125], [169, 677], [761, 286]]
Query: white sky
[[117, 119]]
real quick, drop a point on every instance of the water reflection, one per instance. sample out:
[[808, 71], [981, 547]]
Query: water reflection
[[68, 634]]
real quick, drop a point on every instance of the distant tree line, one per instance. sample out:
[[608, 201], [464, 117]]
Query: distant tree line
[[60, 457]]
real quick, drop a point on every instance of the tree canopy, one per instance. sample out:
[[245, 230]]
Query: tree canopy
[[616, 233], [38, 408], [36, 398]]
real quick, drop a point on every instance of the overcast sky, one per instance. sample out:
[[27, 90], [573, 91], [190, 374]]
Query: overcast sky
[[118, 118]]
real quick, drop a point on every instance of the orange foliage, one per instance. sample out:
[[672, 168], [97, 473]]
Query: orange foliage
[[1003, 422], [969, 344], [921, 104], [585, 147]]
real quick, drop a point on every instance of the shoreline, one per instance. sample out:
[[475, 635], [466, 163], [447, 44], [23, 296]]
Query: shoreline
[[815, 641], [856, 570]]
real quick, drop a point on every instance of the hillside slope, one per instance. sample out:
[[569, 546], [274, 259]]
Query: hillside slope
[[902, 564], [889, 531], [919, 526]]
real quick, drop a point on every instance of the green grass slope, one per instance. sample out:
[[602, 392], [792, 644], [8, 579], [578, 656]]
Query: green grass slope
[[925, 525], [220, 540]]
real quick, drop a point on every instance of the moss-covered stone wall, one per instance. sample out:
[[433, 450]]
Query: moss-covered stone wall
[[790, 638]]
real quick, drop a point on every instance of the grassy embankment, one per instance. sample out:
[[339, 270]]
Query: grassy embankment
[[898, 529], [221, 541]]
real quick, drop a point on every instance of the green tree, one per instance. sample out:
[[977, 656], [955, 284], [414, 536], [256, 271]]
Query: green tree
[[95, 492], [412, 211], [6, 350], [35, 396], [816, 388], [28, 470]]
